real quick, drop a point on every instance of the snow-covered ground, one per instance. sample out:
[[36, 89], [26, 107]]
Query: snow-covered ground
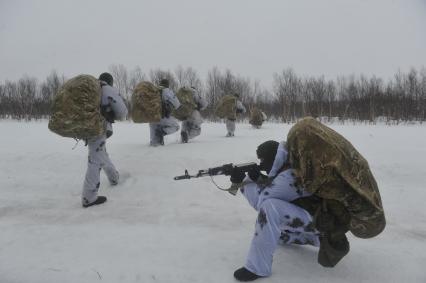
[[155, 229]]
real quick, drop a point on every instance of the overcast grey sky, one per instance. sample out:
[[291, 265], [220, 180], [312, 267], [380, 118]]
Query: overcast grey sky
[[253, 38]]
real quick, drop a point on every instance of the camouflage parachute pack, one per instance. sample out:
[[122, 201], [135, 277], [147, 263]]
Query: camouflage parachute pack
[[146, 103], [76, 111], [188, 105], [226, 107], [256, 117], [332, 169]]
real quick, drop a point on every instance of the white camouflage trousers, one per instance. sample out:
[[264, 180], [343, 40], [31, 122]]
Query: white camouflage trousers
[[278, 221], [98, 159], [230, 127], [166, 126], [192, 125]]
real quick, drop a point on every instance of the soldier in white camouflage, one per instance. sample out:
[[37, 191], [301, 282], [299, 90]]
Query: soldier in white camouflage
[[279, 220], [168, 124], [112, 108], [230, 123], [191, 127]]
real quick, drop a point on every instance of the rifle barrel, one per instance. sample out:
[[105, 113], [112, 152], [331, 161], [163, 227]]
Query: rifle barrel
[[182, 177]]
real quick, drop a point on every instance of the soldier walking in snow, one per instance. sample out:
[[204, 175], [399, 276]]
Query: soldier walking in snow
[[112, 108], [228, 108], [230, 121], [191, 127], [257, 117], [168, 124]]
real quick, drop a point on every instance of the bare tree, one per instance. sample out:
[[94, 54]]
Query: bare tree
[[330, 92], [48, 89], [26, 94], [213, 89], [287, 87], [157, 75], [121, 80], [422, 99], [188, 77], [401, 99], [135, 77], [3, 101]]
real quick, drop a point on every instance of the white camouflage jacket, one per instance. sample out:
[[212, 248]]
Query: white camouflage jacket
[[112, 101]]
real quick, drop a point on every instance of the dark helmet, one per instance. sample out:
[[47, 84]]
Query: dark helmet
[[266, 153], [236, 94], [164, 82], [194, 89], [106, 77]]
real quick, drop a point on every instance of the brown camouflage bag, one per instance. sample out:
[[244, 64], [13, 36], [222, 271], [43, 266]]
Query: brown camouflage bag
[[256, 117], [332, 169], [188, 105], [146, 103], [76, 111], [227, 107]]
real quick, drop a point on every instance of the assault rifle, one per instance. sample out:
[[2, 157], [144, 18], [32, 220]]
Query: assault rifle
[[225, 169]]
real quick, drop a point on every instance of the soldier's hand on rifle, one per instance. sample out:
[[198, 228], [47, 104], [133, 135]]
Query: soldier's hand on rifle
[[254, 173], [237, 176]]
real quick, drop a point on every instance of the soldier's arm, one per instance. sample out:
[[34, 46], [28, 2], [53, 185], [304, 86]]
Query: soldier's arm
[[280, 158], [200, 101], [170, 97], [251, 192], [241, 107], [117, 104]]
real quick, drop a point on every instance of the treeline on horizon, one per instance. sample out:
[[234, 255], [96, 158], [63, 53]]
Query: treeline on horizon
[[290, 97]]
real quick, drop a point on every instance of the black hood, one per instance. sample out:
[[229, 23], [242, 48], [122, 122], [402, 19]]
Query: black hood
[[266, 153]]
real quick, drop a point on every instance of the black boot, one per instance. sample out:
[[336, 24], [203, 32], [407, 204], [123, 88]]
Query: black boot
[[99, 200], [184, 136], [159, 134], [244, 275]]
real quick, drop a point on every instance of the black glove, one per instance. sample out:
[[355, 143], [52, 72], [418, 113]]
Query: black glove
[[198, 107], [108, 113], [108, 133], [237, 176], [254, 173], [167, 110], [239, 111]]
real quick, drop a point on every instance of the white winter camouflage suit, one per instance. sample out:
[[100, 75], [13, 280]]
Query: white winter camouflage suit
[[192, 125], [230, 123], [167, 125], [278, 220], [98, 157]]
